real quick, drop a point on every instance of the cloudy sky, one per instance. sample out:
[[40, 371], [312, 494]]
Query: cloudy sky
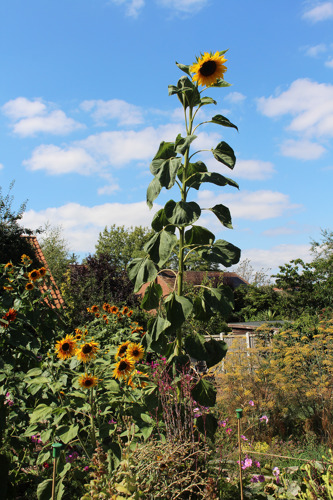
[[84, 106]]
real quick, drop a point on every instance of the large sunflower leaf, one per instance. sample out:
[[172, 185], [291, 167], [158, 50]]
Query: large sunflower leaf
[[158, 326], [182, 143], [199, 235], [213, 177], [211, 351], [184, 68], [207, 100], [192, 169], [140, 271], [224, 154], [219, 299], [178, 308], [182, 213], [222, 252], [166, 150], [186, 91], [222, 120], [160, 221], [160, 246], [221, 83], [223, 214], [151, 298], [166, 171], [153, 191], [204, 393]]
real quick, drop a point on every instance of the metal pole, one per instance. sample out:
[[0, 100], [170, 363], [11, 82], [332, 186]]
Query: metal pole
[[239, 413]]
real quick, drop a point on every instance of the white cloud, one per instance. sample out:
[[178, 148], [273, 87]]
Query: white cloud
[[320, 12], [82, 224], [31, 117], [250, 205], [329, 63], [276, 256], [235, 97], [1, 166], [316, 50], [184, 6], [310, 102], [56, 161], [302, 150], [253, 169], [133, 7], [115, 109]]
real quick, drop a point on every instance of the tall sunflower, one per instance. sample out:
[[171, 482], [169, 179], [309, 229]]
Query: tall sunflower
[[34, 275], [88, 381], [122, 349], [65, 348], [123, 368], [135, 352], [208, 69], [87, 351]]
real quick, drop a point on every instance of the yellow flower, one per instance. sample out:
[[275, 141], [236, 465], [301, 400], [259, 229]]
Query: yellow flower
[[9, 267], [65, 348], [121, 351], [29, 286], [34, 275], [135, 351], [42, 271], [208, 69], [123, 368], [94, 309], [114, 309], [88, 381], [87, 351], [26, 260]]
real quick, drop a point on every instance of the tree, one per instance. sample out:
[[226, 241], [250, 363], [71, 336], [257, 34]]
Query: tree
[[12, 245], [56, 251], [121, 245], [249, 274]]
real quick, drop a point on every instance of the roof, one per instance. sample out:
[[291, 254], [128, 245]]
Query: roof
[[58, 302]]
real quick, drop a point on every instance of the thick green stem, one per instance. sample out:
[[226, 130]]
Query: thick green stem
[[92, 421]]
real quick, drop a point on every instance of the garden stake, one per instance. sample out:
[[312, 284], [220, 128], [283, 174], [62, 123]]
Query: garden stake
[[239, 413], [56, 447]]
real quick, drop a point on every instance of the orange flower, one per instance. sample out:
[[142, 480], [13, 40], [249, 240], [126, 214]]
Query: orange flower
[[125, 310], [94, 309], [114, 310], [42, 271], [29, 286], [10, 316], [34, 275]]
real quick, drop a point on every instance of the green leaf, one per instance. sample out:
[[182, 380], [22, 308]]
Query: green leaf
[[223, 214], [38, 381], [183, 143], [224, 154], [178, 308], [151, 298], [222, 120], [197, 179], [204, 393], [153, 191], [158, 326], [147, 418], [207, 425], [43, 456], [41, 412], [221, 83], [35, 372], [160, 247], [207, 100], [222, 252], [114, 454], [186, 91], [199, 235], [44, 490], [141, 271], [67, 433], [182, 213], [219, 299], [166, 150], [184, 68], [113, 386], [211, 351], [166, 171], [160, 222]]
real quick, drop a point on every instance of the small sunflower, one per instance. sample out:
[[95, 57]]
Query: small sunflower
[[65, 348], [114, 309], [88, 381], [106, 307], [135, 352], [34, 275], [9, 267], [94, 309], [125, 310], [87, 351], [122, 349], [129, 314], [208, 69], [29, 286], [42, 271], [9, 316], [123, 368], [26, 261]]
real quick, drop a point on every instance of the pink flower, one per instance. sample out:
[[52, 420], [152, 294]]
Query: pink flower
[[244, 438], [257, 464], [264, 418], [86, 468], [251, 403], [276, 473], [223, 423], [228, 430], [247, 463]]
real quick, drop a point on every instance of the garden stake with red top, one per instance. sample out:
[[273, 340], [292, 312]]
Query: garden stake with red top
[[239, 413], [56, 448]]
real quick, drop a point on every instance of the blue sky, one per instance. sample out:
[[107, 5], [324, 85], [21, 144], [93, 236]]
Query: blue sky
[[84, 106]]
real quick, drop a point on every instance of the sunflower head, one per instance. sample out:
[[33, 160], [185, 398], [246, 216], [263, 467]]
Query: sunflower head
[[135, 352], [125, 310], [29, 286], [122, 349], [25, 259], [9, 267], [65, 348], [88, 381], [34, 275], [94, 309], [123, 368], [114, 309], [87, 351], [208, 69], [42, 271]]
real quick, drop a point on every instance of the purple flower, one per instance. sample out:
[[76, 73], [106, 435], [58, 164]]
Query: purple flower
[[244, 438], [254, 479], [264, 418], [257, 464], [251, 403], [223, 423], [276, 473], [228, 430], [247, 463], [112, 421], [261, 478], [86, 468], [8, 401]]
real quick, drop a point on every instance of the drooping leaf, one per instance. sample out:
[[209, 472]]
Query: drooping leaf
[[141, 271], [198, 235], [211, 351], [158, 326], [224, 154], [204, 393], [184, 68], [151, 298], [153, 191], [207, 100], [182, 213], [213, 177], [186, 91], [223, 214], [44, 490], [221, 83], [222, 120], [178, 308], [221, 252], [160, 246], [166, 150], [166, 171], [67, 433], [219, 299], [182, 143]]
